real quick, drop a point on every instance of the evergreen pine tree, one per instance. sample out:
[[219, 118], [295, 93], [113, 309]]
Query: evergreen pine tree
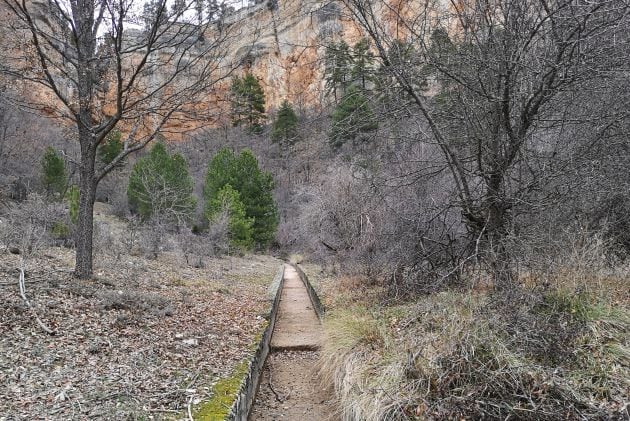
[[228, 200], [362, 63], [111, 148], [248, 103], [72, 197], [285, 126], [337, 67], [254, 186], [53, 172], [352, 117], [391, 95]]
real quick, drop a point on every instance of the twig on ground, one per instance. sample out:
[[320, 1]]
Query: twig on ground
[[278, 398], [169, 411], [190, 401], [28, 303]]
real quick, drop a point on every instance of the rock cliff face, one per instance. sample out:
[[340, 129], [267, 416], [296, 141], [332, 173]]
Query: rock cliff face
[[17, 56], [283, 46]]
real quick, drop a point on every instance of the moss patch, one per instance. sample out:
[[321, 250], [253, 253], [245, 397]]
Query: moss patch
[[225, 391], [223, 396]]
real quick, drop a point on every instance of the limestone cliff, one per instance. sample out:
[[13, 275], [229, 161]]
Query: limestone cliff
[[283, 46]]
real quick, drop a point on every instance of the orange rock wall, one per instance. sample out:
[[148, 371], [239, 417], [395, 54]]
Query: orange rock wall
[[283, 48]]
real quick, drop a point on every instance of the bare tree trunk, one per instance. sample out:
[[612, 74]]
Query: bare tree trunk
[[496, 230], [85, 227], [85, 222], [498, 208]]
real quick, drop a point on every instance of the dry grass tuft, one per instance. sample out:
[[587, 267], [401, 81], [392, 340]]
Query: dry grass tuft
[[135, 301], [552, 353]]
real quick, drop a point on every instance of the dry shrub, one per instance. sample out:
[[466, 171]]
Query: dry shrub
[[195, 247], [585, 264], [119, 204], [409, 236], [133, 301], [218, 233], [350, 290], [30, 225], [106, 243], [131, 236], [351, 283], [542, 355]]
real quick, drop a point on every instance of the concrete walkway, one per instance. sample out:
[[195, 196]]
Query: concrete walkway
[[290, 388], [297, 326]]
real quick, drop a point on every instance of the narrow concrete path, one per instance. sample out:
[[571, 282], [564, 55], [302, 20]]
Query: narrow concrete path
[[297, 327], [290, 388]]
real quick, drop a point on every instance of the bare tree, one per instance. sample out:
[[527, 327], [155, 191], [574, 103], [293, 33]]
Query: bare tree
[[105, 72], [489, 82]]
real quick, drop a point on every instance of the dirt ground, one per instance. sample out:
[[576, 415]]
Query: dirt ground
[[141, 341], [298, 396], [290, 388]]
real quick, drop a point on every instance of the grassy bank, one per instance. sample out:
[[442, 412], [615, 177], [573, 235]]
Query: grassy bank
[[548, 352]]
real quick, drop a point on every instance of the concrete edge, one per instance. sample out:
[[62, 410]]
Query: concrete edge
[[317, 304], [249, 387]]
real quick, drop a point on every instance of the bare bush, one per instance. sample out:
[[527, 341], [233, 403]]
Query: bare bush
[[504, 92], [130, 236], [196, 247], [152, 237], [29, 226], [154, 304], [218, 233], [106, 243], [111, 191], [389, 223]]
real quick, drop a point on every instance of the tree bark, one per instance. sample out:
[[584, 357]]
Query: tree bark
[[498, 219], [85, 221]]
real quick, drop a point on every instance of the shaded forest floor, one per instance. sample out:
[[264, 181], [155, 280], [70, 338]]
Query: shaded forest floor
[[142, 340]]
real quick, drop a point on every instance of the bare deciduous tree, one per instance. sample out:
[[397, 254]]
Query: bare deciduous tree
[[105, 72], [501, 76]]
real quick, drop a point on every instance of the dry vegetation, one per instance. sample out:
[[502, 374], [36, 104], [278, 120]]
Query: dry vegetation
[[558, 350], [146, 338]]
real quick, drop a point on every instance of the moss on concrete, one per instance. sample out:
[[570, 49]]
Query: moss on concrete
[[224, 393]]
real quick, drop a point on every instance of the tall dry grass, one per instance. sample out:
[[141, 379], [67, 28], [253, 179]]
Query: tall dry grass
[[557, 349]]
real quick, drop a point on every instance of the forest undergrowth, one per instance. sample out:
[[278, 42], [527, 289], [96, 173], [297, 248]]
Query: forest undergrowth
[[557, 348]]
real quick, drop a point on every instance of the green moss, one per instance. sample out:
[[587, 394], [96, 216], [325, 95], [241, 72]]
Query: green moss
[[223, 395], [259, 336], [225, 390]]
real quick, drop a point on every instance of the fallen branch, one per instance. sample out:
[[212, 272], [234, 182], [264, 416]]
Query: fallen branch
[[190, 401], [278, 398], [28, 303], [168, 411], [328, 246]]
